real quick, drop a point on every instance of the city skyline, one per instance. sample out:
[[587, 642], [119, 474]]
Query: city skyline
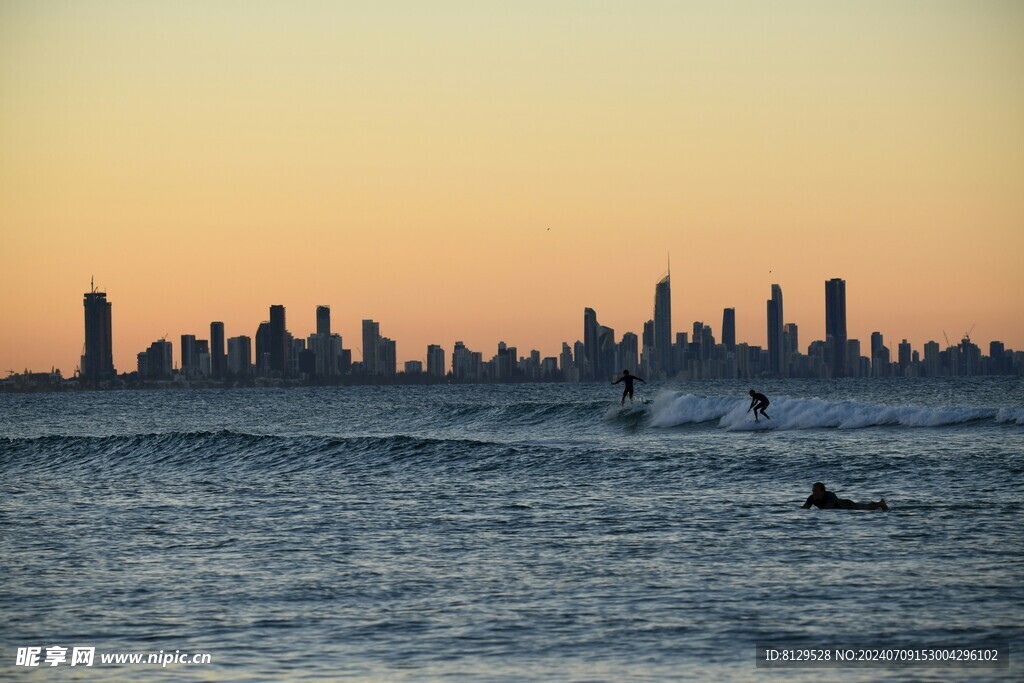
[[464, 172], [600, 353]]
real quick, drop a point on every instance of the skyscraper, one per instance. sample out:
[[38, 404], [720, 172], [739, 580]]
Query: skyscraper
[[590, 344], [729, 329], [776, 356], [435, 360], [263, 348], [326, 359], [97, 362], [239, 356], [323, 321], [189, 365], [663, 326], [606, 352], [278, 341], [218, 361], [835, 324], [371, 344], [629, 352]]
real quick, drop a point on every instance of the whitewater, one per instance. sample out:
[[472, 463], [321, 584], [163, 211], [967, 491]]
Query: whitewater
[[510, 532]]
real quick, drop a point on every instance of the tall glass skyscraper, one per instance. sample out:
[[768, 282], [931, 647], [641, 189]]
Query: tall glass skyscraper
[[835, 324], [663, 326]]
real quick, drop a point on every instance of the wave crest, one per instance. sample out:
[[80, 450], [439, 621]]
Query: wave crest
[[673, 409]]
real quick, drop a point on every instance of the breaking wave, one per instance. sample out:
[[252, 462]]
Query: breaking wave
[[673, 409]]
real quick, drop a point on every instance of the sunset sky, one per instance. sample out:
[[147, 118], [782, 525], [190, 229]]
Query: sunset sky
[[483, 171]]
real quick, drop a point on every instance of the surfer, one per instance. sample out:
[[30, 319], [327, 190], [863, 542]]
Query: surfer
[[627, 390], [826, 500], [758, 402]]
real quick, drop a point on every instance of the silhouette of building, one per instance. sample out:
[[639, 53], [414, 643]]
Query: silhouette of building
[[97, 362], [606, 354], [904, 357], [729, 329], [835, 324], [588, 369], [371, 348], [263, 349], [435, 360], [278, 341], [239, 360], [663, 326], [629, 353], [218, 361], [776, 355], [790, 341], [156, 362], [188, 354], [322, 344]]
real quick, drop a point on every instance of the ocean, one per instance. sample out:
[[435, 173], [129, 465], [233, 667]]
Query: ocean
[[526, 532]]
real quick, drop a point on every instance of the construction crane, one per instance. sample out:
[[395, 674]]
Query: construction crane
[[967, 334], [947, 339]]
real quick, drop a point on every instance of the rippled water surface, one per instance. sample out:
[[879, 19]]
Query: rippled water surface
[[519, 532]]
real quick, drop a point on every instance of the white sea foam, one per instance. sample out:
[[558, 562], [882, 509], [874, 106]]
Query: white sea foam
[[1012, 415], [673, 409]]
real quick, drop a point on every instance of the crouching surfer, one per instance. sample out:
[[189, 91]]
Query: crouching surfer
[[826, 500]]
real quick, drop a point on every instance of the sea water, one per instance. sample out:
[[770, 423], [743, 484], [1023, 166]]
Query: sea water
[[509, 532]]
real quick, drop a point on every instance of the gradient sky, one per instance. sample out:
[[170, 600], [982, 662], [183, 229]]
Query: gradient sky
[[483, 171]]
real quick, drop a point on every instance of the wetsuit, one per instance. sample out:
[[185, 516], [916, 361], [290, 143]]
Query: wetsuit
[[832, 502], [627, 389], [759, 401]]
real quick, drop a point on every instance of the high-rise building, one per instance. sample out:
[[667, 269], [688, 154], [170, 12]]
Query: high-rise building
[[790, 340], [729, 329], [932, 359], [278, 341], [435, 360], [588, 370], [629, 353], [663, 326], [606, 353], [904, 355], [155, 362], [776, 354], [218, 361], [189, 366], [323, 321], [647, 348], [326, 363], [835, 324], [387, 357], [239, 356], [565, 358], [97, 363], [371, 346], [263, 348], [460, 361]]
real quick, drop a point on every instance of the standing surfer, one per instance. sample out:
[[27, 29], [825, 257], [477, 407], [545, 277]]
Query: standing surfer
[[758, 402], [627, 390]]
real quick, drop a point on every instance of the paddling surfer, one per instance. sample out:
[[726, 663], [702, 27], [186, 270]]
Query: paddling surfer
[[826, 500]]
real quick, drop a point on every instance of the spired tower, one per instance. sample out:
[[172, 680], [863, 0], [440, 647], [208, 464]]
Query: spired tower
[[97, 363], [663, 325]]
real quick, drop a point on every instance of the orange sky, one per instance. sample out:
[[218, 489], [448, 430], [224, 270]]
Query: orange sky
[[476, 171]]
